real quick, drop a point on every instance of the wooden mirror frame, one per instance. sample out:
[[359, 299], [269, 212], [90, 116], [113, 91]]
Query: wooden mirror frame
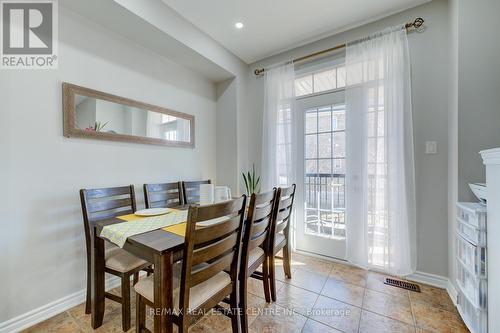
[[71, 130]]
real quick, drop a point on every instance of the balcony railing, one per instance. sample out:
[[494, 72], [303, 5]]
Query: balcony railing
[[325, 204]]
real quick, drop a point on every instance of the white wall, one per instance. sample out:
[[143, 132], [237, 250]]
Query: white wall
[[430, 71], [42, 241]]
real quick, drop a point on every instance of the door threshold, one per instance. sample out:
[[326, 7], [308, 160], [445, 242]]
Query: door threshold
[[321, 256], [326, 258]]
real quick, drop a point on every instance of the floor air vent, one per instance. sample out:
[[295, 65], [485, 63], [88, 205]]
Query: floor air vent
[[402, 284]]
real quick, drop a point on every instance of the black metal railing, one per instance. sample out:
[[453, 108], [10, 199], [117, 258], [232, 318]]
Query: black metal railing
[[324, 195]]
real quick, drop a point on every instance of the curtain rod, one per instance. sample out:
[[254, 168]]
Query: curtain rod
[[409, 27]]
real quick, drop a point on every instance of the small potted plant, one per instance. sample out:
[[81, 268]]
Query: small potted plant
[[252, 181]]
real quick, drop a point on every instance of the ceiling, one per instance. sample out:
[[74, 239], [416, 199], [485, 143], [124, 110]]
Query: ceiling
[[272, 26]]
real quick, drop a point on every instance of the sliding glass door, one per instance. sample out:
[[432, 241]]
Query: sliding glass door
[[321, 192]]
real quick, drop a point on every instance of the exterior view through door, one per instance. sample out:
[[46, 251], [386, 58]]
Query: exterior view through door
[[321, 182]]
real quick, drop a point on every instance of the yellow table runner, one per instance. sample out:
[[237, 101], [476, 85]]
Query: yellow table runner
[[178, 229], [175, 222]]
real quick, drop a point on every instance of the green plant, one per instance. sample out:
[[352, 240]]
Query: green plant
[[252, 181], [99, 126]]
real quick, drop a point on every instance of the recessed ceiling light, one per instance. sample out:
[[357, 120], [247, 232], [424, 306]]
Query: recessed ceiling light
[[238, 25]]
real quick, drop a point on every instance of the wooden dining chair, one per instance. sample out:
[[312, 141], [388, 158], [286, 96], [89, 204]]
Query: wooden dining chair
[[163, 195], [200, 282], [280, 234], [256, 238], [191, 190], [104, 203]]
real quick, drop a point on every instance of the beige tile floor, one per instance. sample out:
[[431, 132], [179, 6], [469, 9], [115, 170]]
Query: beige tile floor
[[321, 297]]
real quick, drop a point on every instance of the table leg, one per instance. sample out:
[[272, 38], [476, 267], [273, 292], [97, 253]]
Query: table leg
[[163, 293], [97, 273]]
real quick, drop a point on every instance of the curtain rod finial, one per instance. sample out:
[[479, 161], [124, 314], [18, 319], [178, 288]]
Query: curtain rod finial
[[259, 71]]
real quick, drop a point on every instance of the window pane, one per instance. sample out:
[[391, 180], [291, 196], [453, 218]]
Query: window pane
[[311, 146], [339, 166], [325, 145], [340, 77], [324, 121], [339, 144], [311, 166], [325, 166], [311, 121], [324, 80], [338, 118], [304, 85]]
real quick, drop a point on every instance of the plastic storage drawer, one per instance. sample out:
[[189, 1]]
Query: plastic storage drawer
[[473, 234], [472, 213], [474, 287], [475, 319], [474, 257]]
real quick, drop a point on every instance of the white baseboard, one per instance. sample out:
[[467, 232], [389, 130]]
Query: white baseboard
[[51, 309], [435, 281], [452, 292], [430, 279]]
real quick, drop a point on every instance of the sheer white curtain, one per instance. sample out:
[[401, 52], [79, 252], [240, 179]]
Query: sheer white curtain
[[380, 194], [279, 137]]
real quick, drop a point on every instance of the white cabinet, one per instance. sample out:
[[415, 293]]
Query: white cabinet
[[472, 265], [491, 158]]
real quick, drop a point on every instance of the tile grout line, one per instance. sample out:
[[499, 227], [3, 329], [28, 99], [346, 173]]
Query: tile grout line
[[362, 309], [412, 312], [75, 321]]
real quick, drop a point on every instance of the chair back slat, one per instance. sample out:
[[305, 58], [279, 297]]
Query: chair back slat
[[99, 206], [257, 241], [285, 203], [211, 269], [287, 191], [207, 253], [258, 225], [191, 190], [261, 226], [163, 195], [283, 214], [217, 230], [211, 248], [280, 226], [106, 192], [262, 212], [107, 214]]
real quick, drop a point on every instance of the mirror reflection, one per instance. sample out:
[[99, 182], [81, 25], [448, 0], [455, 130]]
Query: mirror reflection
[[96, 115]]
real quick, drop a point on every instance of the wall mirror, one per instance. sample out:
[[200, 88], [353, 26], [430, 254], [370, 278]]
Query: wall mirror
[[97, 115]]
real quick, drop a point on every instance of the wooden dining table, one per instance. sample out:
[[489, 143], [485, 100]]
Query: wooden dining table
[[159, 247]]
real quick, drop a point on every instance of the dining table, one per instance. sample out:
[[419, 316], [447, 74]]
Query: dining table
[[159, 247]]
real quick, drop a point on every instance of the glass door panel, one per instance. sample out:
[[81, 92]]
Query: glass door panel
[[321, 217]]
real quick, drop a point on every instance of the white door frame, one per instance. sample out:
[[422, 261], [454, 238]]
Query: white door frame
[[333, 248]]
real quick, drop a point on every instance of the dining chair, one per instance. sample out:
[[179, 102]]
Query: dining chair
[[191, 190], [163, 195], [104, 203], [260, 216], [280, 235], [200, 282]]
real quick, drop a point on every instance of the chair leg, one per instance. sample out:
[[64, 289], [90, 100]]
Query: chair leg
[[235, 311], [265, 279], [126, 302], [88, 300], [243, 305], [136, 278], [272, 278], [140, 314], [286, 261]]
